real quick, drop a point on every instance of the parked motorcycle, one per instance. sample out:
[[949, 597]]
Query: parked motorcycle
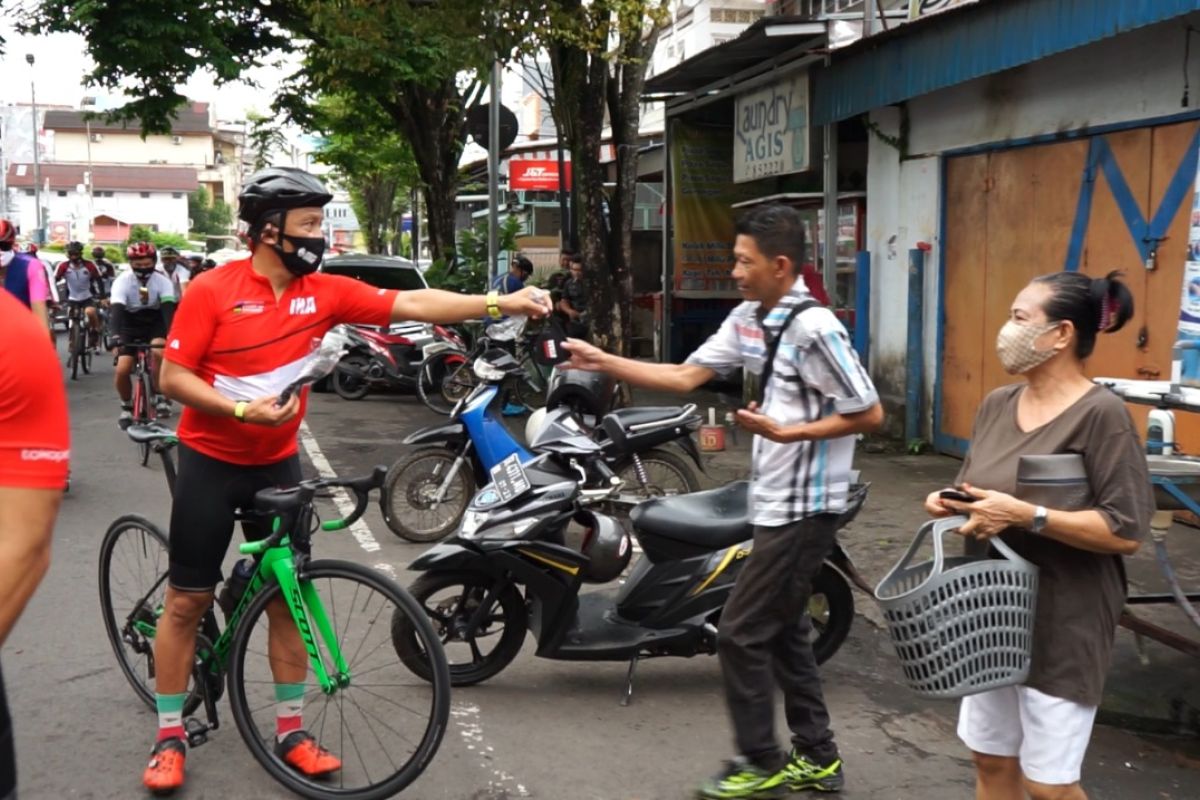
[[512, 566], [427, 491], [387, 358]]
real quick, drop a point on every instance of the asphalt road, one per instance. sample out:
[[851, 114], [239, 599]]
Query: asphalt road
[[540, 729]]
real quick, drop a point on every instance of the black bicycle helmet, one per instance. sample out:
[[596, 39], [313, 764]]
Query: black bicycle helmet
[[278, 189], [74, 247]]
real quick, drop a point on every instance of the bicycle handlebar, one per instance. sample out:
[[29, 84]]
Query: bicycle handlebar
[[361, 487]]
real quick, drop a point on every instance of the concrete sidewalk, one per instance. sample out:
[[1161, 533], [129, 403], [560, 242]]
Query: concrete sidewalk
[[1150, 719]]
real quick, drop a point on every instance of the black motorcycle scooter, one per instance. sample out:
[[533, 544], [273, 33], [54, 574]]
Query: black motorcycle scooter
[[510, 567]]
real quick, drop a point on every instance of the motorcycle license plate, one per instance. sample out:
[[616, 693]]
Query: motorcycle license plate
[[510, 478]]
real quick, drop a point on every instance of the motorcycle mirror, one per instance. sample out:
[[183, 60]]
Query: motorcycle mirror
[[319, 363]]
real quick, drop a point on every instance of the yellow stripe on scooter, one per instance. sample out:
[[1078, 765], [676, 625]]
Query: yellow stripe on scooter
[[567, 568], [729, 554]]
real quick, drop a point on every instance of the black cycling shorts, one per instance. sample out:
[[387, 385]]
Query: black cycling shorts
[[8, 756], [145, 327], [208, 492]]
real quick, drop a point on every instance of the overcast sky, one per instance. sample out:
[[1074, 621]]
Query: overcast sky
[[61, 62]]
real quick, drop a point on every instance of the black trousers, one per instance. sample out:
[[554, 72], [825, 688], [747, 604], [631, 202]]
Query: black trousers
[[763, 641]]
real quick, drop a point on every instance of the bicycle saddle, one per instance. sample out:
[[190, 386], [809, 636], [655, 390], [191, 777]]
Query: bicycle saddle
[[277, 500], [149, 433]]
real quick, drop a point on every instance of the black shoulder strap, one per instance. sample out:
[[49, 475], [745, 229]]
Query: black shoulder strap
[[773, 347]]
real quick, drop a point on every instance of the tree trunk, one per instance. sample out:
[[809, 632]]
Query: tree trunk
[[432, 120], [624, 109]]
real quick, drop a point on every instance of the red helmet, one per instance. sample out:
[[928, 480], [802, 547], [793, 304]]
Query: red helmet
[[141, 250], [8, 234], [31, 248]]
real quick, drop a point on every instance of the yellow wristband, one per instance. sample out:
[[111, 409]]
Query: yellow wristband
[[493, 304], [239, 410]]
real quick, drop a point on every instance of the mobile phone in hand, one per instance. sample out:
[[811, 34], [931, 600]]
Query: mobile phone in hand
[[957, 494]]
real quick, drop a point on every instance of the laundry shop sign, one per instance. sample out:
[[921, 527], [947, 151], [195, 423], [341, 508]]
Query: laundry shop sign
[[771, 130]]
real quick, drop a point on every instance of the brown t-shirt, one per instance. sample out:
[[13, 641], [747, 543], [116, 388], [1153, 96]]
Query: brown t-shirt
[[1080, 594]]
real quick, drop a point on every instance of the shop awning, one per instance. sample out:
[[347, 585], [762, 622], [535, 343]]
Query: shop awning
[[770, 44], [970, 42]]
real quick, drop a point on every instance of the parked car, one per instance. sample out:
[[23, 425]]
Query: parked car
[[383, 272]]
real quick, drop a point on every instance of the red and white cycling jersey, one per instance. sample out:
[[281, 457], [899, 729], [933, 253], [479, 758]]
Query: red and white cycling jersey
[[34, 432], [232, 332]]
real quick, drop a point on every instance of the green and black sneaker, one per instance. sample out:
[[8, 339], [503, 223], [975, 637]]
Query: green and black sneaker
[[742, 779], [801, 773]]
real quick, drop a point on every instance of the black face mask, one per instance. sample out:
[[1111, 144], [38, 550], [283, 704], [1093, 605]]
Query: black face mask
[[144, 274], [306, 257], [6, 246]]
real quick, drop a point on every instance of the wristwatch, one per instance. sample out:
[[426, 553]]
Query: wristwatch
[[239, 410], [1039, 519], [493, 304]]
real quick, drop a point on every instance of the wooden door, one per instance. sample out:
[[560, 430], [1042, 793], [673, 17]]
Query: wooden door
[[1164, 283], [1008, 219], [1110, 245], [965, 339]]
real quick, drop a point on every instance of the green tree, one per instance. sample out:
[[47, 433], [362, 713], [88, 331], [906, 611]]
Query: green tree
[[470, 273], [207, 216], [160, 239], [417, 61], [372, 161]]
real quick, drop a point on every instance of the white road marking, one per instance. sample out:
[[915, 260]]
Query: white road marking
[[341, 498], [466, 718]]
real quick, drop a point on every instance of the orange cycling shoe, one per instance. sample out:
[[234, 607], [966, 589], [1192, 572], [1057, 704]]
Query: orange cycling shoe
[[301, 752], [164, 774]]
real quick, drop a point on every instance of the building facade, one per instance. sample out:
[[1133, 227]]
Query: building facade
[[122, 196]]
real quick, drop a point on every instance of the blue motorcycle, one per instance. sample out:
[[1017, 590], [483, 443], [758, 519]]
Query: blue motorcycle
[[427, 491]]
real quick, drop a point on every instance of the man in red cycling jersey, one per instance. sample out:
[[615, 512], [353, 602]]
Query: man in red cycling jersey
[[238, 338], [33, 471]]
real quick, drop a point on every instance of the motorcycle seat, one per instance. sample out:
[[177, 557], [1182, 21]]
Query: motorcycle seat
[[627, 417], [706, 521]]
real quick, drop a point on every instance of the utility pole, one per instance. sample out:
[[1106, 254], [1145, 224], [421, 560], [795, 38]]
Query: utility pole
[[85, 103], [37, 166], [494, 176]]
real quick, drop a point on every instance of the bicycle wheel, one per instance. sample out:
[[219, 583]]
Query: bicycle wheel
[[143, 411], [74, 346], [85, 353], [383, 722], [458, 383], [430, 377], [407, 501], [133, 566]]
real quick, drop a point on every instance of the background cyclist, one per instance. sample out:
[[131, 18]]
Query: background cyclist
[[143, 303]]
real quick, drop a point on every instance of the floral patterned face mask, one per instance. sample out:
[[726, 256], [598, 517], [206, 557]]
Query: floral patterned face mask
[[1014, 346]]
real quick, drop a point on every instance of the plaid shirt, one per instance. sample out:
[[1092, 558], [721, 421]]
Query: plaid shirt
[[816, 374]]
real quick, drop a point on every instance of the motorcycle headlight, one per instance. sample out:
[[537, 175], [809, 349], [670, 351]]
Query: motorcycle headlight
[[473, 521]]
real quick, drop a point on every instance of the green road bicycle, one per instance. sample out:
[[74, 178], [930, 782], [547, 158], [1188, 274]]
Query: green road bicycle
[[360, 702]]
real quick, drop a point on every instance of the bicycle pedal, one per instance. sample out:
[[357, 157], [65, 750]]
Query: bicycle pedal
[[197, 732]]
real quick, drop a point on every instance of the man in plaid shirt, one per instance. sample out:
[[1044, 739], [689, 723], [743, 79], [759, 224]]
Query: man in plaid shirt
[[816, 397]]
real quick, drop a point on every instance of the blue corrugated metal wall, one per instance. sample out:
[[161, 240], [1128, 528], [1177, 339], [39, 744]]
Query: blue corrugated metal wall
[[981, 40]]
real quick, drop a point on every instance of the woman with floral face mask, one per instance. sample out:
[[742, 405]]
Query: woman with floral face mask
[[1030, 740]]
